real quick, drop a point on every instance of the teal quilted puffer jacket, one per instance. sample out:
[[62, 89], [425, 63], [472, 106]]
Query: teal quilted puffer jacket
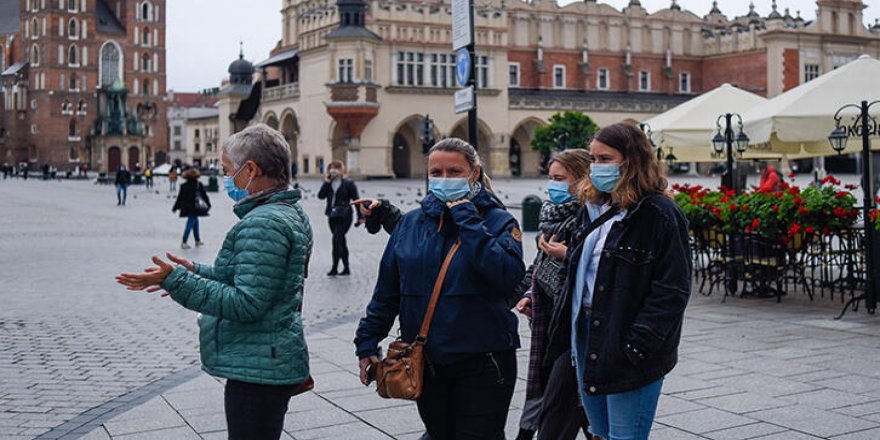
[[252, 297]]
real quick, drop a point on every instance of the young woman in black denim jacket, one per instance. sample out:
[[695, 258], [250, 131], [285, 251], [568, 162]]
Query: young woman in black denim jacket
[[622, 309]]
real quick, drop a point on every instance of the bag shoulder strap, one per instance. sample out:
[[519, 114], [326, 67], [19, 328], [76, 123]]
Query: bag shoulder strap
[[435, 295], [601, 220]]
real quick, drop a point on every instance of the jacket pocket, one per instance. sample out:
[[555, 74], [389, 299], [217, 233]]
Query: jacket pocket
[[632, 256]]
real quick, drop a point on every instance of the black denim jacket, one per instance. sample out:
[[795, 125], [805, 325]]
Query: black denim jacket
[[642, 287]]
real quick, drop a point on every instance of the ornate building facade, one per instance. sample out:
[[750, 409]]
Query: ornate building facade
[[353, 80], [83, 81]]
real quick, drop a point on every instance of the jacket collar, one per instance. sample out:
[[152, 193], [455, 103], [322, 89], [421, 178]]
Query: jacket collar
[[275, 195], [484, 200]]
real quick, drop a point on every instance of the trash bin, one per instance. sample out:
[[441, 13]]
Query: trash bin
[[212, 184], [531, 210]]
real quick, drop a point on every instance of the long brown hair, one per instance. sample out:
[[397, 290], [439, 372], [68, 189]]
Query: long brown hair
[[641, 174]]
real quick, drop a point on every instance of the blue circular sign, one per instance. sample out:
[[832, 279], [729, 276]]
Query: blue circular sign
[[463, 67]]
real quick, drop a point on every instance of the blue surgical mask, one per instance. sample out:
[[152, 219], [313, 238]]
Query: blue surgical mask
[[232, 190], [605, 176], [558, 192], [449, 189]]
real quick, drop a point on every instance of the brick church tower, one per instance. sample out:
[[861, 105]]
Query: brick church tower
[[61, 60]]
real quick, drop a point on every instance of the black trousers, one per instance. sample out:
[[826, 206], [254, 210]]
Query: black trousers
[[340, 227], [561, 413], [469, 399], [255, 411]]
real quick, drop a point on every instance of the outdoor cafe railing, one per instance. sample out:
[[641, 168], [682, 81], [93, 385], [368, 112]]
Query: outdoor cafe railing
[[747, 264]]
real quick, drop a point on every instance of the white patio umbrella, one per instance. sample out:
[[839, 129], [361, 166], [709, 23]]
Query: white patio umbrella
[[800, 120], [689, 127]]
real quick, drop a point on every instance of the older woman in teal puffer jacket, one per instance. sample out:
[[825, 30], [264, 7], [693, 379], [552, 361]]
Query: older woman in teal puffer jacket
[[251, 332]]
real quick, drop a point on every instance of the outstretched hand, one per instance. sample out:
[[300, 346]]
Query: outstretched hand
[[367, 205], [150, 279]]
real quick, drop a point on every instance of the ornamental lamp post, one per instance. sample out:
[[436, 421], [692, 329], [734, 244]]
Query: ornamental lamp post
[[863, 125], [725, 140], [646, 128]]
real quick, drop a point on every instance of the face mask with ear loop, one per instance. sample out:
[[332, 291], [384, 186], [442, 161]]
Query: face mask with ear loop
[[233, 191]]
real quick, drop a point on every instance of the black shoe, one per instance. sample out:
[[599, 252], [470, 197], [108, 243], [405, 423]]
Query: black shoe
[[332, 273], [345, 272], [525, 434]]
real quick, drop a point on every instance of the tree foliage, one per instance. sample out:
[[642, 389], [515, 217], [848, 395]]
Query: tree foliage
[[571, 129]]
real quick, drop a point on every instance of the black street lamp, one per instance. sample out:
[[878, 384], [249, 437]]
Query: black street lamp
[[725, 140], [562, 141], [863, 125]]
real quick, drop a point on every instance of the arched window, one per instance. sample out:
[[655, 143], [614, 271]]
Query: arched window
[[35, 55], [81, 106], [71, 5], [35, 32], [146, 11], [74, 83], [110, 63], [145, 37], [72, 128], [73, 55], [145, 87], [145, 63], [72, 29], [65, 107]]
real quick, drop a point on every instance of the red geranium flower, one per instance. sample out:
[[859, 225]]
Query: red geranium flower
[[851, 187], [826, 231], [775, 208], [791, 175], [756, 223], [841, 194], [809, 230], [732, 207]]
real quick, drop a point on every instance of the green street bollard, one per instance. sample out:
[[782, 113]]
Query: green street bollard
[[212, 184], [531, 210]]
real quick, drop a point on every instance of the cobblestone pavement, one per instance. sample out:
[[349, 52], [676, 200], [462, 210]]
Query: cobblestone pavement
[[77, 351]]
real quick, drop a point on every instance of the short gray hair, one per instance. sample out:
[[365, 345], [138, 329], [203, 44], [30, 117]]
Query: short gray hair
[[265, 146]]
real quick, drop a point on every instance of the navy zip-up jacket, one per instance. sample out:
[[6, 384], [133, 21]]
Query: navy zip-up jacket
[[472, 315]]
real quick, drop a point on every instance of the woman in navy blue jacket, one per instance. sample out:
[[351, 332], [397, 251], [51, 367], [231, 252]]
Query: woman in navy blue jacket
[[470, 352]]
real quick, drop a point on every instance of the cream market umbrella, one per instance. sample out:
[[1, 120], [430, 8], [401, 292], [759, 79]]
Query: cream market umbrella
[[688, 128], [800, 120]]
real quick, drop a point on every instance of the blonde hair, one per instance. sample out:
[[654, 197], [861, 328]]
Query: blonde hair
[[456, 145]]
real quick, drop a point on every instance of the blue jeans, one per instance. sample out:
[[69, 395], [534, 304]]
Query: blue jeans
[[192, 224], [620, 416], [121, 194]]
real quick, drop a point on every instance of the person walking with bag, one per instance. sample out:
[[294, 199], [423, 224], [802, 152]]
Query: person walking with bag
[[448, 271], [552, 404], [339, 191], [251, 332], [628, 280], [192, 202], [123, 179]]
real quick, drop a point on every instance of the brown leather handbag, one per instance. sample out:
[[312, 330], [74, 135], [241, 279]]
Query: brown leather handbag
[[400, 375]]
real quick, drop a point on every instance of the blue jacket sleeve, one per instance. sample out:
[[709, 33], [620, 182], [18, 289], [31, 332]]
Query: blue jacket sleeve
[[383, 307], [494, 245]]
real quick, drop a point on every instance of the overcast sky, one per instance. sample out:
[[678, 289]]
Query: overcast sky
[[203, 35]]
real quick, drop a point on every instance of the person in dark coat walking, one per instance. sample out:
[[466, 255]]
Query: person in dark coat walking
[[193, 202], [339, 193], [123, 179]]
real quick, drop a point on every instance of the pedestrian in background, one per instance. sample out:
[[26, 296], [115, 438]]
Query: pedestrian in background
[[339, 192], [628, 282], [251, 331], [470, 353], [172, 179], [552, 403], [123, 179], [148, 176], [193, 202]]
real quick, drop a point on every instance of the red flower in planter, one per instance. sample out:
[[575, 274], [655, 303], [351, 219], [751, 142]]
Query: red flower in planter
[[841, 194], [794, 229], [851, 187], [798, 200], [775, 208], [826, 231], [809, 229], [732, 207], [794, 190], [745, 208], [802, 210], [756, 223], [791, 175]]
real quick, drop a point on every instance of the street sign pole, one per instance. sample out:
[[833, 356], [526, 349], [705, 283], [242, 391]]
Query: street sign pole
[[472, 114], [463, 41]]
